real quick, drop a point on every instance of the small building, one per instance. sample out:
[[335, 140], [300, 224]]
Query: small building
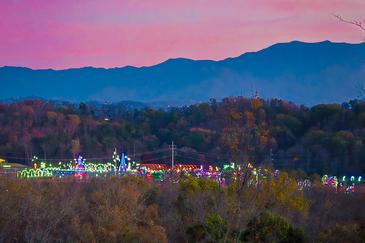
[[10, 169]]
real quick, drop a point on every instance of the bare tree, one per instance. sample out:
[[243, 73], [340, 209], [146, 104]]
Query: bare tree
[[360, 24], [361, 90]]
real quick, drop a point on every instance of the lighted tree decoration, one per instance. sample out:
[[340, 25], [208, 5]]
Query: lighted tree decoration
[[80, 167], [116, 158], [80, 163], [122, 165], [35, 162]]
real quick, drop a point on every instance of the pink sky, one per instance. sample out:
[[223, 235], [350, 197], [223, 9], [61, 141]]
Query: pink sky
[[113, 33]]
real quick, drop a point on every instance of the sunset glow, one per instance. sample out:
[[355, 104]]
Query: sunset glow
[[114, 33]]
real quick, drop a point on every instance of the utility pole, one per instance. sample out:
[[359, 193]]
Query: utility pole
[[134, 151], [172, 155], [271, 159]]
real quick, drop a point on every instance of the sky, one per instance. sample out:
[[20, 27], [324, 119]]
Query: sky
[[63, 34]]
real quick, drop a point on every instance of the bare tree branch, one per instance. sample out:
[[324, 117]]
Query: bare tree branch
[[361, 88], [360, 24]]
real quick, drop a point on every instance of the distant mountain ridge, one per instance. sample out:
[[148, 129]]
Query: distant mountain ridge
[[305, 73]]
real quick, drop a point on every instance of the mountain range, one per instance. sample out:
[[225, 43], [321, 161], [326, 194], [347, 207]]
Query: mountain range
[[304, 73]]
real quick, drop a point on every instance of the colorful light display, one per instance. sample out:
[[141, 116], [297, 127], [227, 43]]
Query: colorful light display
[[116, 158], [122, 166], [330, 181], [119, 166], [35, 173], [346, 184]]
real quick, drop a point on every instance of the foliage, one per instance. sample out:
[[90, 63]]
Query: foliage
[[213, 229], [327, 138], [127, 209], [271, 228]]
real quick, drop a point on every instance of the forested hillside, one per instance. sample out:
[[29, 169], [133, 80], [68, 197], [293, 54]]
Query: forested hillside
[[322, 139]]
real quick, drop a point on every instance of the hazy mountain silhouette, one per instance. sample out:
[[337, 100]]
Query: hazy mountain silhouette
[[306, 73]]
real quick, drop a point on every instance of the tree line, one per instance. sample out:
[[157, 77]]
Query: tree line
[[127, 209], [326, 138]]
